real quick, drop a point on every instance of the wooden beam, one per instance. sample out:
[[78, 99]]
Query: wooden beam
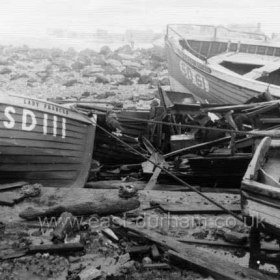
[[198, 146], [263, 109], [4, 187], [101, 207], [177, 209], [221, 243], [220, 269], [198, 259]]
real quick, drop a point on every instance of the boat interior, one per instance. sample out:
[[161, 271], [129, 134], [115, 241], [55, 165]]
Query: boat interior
[[248, 54], [269, 172]]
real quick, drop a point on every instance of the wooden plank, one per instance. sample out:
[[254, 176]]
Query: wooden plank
[[261, 189], [270, 120], [258, 159], [265, 213], [4, 187], [219, 268], [39, 143], [198, 259], [263, 109], [10, 198], [198, 147], [180, 209], [55, 248], [14, 150], [16, 134], [153, 180], [221, 243], [19, 102]]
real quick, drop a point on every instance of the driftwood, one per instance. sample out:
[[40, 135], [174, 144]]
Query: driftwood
[[196, 258], [100, 207]]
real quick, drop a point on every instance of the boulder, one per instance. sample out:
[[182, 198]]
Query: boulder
[[125, 82], [131, 72], [105, 50], [164, 81], [117, 78], [99, 60], [126, 49], [101, 78], [86, 94], [145, 79], [5, 71], [111, 70], [71, 82], [77, 66], [18, 76], [4, 61], [130, 63], [90, 71], [113, 62], [146, 97]]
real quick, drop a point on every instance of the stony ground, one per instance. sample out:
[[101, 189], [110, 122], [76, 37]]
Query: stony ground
[[126, 75]]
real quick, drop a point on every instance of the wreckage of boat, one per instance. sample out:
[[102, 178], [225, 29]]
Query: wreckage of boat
[[43, 142], [222, 66], [260, 188]]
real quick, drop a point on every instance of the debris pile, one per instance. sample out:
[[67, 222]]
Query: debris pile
[[126, 223]]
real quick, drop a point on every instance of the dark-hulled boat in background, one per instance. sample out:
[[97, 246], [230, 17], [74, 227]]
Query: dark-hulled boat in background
[[222, 66], [44, 142]]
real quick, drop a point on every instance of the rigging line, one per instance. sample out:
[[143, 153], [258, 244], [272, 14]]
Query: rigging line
[[253, 133], [171, 174]]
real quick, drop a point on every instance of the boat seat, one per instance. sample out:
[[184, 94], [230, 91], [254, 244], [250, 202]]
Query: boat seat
[[217, 59], [259, 72], [243, 58]]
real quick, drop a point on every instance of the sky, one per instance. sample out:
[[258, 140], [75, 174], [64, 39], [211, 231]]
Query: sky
[[34, 17]]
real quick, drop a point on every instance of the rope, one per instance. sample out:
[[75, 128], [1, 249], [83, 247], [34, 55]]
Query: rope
[[171, 174]]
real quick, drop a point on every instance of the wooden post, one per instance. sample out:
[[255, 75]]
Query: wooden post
[[255, 245]]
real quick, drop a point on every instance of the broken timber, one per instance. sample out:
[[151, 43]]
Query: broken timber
[[198, 259], [100, 207], [177, 209]]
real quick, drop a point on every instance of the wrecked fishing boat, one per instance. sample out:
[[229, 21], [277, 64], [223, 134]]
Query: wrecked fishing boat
[[260, 189], [43, 142], [260, 196], [222, 66]]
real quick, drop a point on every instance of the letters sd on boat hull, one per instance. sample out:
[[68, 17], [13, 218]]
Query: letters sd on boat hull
[[43, 142]]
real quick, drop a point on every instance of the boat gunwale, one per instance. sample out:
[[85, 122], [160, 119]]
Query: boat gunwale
[[226, 76], [11, 99]]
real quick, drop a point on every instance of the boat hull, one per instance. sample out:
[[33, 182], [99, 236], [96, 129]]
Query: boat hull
[[263, 209], [185, 76], [41, 142]]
